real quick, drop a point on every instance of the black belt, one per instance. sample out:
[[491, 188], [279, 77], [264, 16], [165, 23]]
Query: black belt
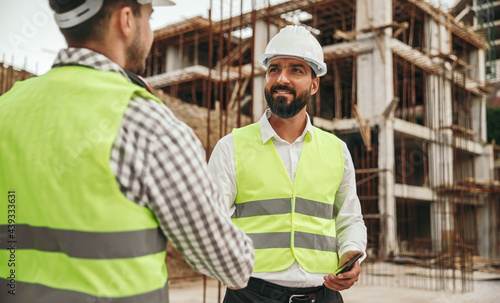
[[286, 294]]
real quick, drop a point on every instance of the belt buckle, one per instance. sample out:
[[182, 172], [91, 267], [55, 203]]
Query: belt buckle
[[311, 298]]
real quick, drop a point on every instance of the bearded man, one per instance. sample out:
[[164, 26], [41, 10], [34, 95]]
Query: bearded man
[[291, 186]]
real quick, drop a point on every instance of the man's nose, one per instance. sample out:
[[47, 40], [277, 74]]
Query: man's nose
[[283, 78]]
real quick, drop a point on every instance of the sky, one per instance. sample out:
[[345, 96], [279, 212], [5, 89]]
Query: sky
[[30, 39]]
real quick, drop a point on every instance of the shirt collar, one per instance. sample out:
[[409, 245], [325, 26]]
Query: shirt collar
[[88, 58], [267, 131]]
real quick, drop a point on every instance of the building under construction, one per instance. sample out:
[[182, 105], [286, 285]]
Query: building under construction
[[405, 89]]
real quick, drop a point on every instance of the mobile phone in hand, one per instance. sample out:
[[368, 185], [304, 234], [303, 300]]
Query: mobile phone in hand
[[349, 264]]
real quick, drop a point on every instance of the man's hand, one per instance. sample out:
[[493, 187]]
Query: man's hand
[[345, 280]]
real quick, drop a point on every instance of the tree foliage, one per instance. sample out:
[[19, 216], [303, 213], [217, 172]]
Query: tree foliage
[[493, 123]]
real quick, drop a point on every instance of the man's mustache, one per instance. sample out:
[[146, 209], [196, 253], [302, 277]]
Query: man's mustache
[[284, 87]]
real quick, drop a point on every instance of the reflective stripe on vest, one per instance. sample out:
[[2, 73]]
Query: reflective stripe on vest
[[26, 292], [81, 244], [288, 222], [283, 206], [302, 239], [79, 239]]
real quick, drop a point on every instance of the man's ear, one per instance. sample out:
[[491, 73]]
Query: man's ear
[[126, 21], [314, 85]]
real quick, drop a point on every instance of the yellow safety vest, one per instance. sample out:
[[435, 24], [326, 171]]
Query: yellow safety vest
[[78, 238], [288, 222]]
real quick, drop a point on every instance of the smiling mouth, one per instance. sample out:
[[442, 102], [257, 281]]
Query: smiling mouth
[[282, 92]]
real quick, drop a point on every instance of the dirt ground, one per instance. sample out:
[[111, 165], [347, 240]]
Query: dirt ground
[[484, 292], [486, 288]]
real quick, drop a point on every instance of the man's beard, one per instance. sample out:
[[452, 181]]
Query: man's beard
[[136, 57], [279, 106]]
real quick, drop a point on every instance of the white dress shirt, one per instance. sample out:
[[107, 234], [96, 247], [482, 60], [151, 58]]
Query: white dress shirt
[[351, 230]]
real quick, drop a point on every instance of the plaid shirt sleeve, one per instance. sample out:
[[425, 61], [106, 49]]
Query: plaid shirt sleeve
[[160, 163]]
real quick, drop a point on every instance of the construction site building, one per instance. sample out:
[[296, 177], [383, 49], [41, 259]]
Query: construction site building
[[405, 89]]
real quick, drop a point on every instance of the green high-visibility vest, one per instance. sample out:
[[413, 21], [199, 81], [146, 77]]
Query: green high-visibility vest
[[75, 236], [288, 222]]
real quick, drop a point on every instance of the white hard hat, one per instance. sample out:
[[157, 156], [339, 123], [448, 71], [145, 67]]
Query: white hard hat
[[296, 42], [89, 8]]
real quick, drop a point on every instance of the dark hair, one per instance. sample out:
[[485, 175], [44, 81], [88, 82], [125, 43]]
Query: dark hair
[[96, 26], [313, 73]]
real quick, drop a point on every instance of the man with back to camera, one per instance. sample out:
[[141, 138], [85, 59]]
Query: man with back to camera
[[99, 174], [300, 214]]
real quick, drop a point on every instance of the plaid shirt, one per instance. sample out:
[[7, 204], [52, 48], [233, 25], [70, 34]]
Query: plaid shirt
[[159, 163]]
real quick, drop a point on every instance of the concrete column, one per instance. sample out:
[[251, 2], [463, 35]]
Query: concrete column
[[487, 227], [375, 69], [484, 164], [374, 92], [439, 116], [476, 115], [261, 38], [481, 72], [477, 59], [172, 59], [474, 20], [387, 199]]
